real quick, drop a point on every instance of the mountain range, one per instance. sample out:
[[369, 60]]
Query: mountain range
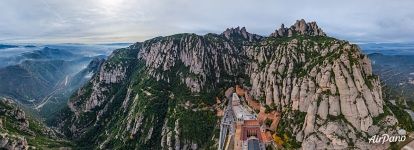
[[324, 88], [166, 92]]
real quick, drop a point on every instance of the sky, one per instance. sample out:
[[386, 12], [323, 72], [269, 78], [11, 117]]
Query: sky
[[110, 21]]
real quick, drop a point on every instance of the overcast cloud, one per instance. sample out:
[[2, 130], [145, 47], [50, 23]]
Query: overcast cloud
[[86, 21]]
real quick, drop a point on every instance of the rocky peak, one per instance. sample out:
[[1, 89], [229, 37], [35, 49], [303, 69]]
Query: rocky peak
[[240, 32], [301, 28]]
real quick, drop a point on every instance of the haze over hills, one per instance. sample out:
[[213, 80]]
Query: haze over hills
[[20, 52], [405, 48], [46, 75], [4, 46]]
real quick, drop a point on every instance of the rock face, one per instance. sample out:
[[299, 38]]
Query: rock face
[[8, 141], [235, 33], [16, 128], [11, 142], [301, 28], [323, 86]]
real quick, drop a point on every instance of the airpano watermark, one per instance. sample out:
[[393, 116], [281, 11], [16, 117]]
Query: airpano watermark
[[389, 138]]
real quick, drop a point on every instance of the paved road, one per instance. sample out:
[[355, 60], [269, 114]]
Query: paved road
[[226, 125]]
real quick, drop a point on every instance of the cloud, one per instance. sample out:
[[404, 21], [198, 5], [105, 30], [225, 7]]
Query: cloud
[[136, 20]]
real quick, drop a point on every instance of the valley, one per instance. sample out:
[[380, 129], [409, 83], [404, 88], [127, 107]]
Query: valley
[[38, 76]]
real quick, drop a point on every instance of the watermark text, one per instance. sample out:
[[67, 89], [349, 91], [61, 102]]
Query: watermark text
[[387, 138]]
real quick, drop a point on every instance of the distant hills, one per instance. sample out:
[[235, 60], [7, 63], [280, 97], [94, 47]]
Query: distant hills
[[3, 46], [31, 80], [49, 53], [388, 48], [39, 73], [396, 71]]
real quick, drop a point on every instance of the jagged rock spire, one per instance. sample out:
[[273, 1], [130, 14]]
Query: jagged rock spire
[[240, 32], [301, 28]]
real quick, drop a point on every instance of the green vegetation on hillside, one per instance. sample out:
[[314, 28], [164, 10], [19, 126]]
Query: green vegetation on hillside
[[284, 129], [404, 119], [34, 132]]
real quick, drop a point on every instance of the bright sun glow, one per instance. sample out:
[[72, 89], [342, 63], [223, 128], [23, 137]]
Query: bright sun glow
[[111, 2], [110, 7]]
